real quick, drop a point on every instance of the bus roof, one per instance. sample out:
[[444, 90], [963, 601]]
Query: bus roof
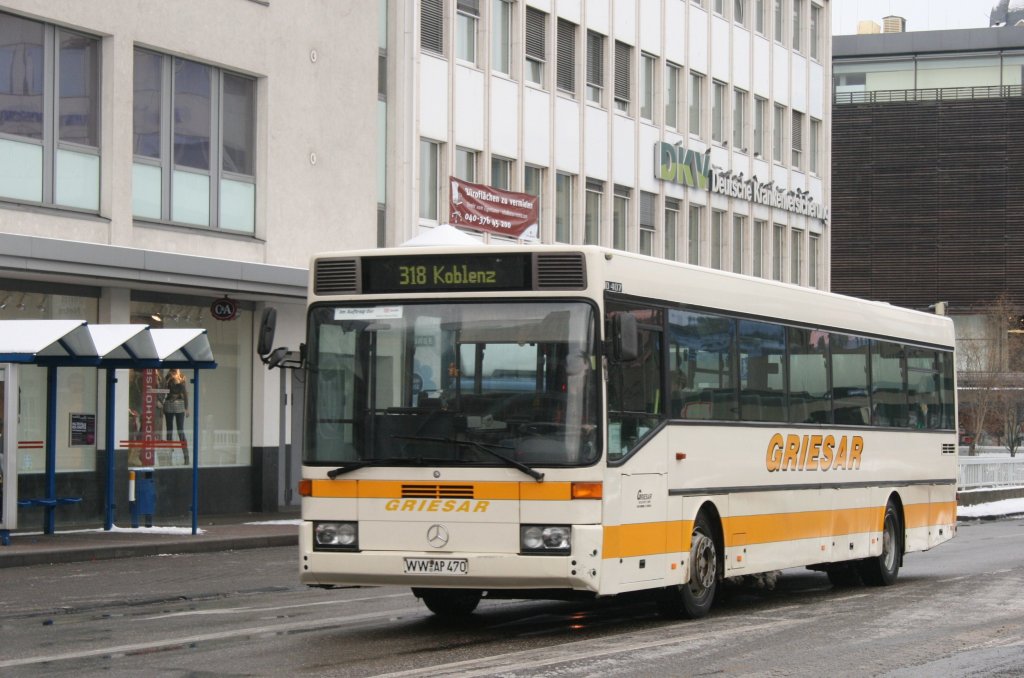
[[658, 279]]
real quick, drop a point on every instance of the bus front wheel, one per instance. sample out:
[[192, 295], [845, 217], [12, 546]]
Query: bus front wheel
[[882, 571], [449, 603], [694, 598]]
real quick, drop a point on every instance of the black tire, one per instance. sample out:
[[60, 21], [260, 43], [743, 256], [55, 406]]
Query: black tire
[[693, 599], [450, 603], [883, 570]]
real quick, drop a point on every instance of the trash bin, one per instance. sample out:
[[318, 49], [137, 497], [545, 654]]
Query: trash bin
[[141, 495]]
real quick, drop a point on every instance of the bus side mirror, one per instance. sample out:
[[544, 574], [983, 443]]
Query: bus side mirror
[[268, 324], [625, 338]]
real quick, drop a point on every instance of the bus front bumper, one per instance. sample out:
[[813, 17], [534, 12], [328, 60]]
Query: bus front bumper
[[580, 570]]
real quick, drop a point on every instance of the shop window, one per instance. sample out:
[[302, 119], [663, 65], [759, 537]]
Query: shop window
[[225, 394]]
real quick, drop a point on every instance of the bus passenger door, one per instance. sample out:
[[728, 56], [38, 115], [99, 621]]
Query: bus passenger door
[[642, 529]]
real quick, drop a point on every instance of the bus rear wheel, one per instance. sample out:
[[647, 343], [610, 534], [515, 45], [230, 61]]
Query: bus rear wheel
[[693, 599], [883, 570], [449, 603]]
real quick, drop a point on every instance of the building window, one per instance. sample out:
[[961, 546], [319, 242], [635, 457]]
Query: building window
[[430, 173], [432, 26], [798, 15], [757, 247], [760, 16], [620, 217], [208, 176], [592, 215], [718, 112], [780, 21], [536, 48], [778, 250], [813, 256], [671, 229], [798, 138], [699, 3], [739, 239], [501, 36], [760, 125], [815, 32], [623, 73], [501, 173], [718, 7], [693, 234], [672, 96], [595, 66], [718, 247], [796, 256], [739, 12], [467, 16], [50, 115], [465, 164], [563, 207], [778, 131], [648, 205], [696, 103], [815, 149], [566, 75], [647, 86], [739, 120], [533, 184]]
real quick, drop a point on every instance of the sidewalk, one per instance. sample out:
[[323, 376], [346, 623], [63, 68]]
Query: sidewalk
[[216, 533]]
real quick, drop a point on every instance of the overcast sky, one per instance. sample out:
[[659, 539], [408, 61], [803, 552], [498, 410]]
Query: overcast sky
[[921, 15]]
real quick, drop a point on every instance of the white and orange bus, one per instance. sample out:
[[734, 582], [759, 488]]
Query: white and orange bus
[[558, 421]]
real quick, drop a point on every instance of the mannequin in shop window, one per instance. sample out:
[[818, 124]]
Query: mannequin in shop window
[[175, 407]]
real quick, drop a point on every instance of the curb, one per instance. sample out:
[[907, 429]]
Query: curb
[[91, 553]]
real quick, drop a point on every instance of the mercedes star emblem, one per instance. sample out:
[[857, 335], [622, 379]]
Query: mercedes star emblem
[[437, 536]]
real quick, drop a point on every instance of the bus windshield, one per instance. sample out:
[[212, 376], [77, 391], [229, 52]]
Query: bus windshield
[[455, 383]]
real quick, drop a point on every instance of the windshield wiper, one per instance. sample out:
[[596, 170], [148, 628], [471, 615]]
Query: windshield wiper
[[393, 461], [353, 465], [489, 449]]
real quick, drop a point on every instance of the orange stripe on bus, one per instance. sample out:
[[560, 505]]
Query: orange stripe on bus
[[765, 529], [624, 541], [643, 539], [923, 515], [393, 489]]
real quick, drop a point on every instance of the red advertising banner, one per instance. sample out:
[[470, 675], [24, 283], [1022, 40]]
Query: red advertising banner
[[483, 208]]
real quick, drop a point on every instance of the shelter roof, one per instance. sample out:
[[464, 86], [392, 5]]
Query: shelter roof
[[76, 343]]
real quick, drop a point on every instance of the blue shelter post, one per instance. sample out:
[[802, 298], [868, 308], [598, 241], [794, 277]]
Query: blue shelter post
[[195, 451], [108, 520], [49, 519]]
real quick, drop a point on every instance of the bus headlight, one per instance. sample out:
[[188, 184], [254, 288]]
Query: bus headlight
[[552, 539], [335, 536]]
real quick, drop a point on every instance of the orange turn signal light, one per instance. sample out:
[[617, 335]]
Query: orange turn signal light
[[587, 490], [305, 488]]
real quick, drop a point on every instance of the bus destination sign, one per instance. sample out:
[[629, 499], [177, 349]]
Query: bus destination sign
[[443, 272]]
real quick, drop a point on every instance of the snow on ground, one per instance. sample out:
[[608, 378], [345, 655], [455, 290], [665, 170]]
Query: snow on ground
[[1003, 507], [278, 522]]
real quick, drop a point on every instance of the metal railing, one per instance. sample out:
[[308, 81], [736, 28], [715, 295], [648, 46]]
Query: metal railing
[[978, 472], [888, 96]]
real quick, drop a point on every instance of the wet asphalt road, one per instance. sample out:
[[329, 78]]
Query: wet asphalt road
[[957, 611]]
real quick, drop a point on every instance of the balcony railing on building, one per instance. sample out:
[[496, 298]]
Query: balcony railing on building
[[890, 96]]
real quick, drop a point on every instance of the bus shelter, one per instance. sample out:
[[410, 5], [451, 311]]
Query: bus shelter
[[75, 343]]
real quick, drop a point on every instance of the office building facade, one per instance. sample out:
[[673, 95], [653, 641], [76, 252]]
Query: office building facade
[[157, 159]]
